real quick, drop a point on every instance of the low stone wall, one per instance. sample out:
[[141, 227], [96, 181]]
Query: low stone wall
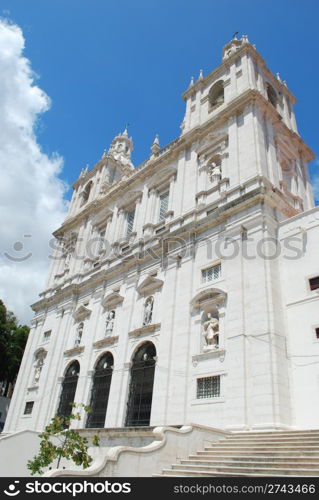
[[168, 446], [15, 451]]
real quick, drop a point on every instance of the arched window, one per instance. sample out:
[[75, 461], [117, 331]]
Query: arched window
[[68, 389], [148, 310], [216, 94], [100, 391], [272, 96], [86, 192], [139, 403]]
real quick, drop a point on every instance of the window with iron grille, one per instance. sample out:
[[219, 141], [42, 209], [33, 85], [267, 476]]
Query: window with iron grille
[[211, 273], [208, 387], [314, 283], [130, 221], [28, 408], [47, 335], [163, 205]]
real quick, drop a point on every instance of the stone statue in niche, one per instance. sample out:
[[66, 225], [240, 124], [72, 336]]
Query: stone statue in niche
[[148, 311], [38, 367], [109, 326], [211, 333], [79, 333], [214, 172]]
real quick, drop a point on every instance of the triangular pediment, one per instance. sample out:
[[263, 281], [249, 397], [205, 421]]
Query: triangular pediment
[[149, 285], [162, 177], [210, 295], [130, 197], [111, 300], [81, 313], [214, 142]]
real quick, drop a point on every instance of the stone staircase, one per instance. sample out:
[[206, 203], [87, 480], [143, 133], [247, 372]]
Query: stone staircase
[[275, 453]]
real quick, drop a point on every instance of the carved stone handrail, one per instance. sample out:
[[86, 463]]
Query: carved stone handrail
[[144, 330]]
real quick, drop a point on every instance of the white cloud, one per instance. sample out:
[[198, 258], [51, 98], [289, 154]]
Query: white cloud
[[31, 193]]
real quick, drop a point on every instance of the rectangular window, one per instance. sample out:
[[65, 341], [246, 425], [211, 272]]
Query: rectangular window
[[208, 387], [28, 408], [317, 333], [211, 273], [47, 335], [314, 283], [163, 205], [130, 221]]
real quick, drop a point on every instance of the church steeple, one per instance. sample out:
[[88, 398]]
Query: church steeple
[[121, 148]]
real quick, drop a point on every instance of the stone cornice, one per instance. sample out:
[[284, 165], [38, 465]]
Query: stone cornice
[[105, 342], [74, 351], [144, 330], [149, 168], [266, 193], [214, 353]]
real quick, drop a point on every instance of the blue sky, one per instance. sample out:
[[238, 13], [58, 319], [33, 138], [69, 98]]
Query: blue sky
[[104, 63]]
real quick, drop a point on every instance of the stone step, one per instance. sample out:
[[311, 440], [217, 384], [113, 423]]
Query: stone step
[[240, 442], [243, 470], [255, 458], [244, 434], [174, 473], [257, 452], [247, 463], [264, 446]]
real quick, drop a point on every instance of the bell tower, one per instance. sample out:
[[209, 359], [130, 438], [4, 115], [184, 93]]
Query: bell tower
[[121, 148], [251, 110]]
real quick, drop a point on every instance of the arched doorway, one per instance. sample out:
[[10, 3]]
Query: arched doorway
[[68, 389], [100, 391], [141, 386]]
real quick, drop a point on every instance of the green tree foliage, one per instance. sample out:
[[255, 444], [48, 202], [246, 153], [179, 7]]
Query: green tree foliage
[[13, 338], [58, 441]]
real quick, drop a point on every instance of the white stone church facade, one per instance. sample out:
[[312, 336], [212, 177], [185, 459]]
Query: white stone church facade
[[186, 290]]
